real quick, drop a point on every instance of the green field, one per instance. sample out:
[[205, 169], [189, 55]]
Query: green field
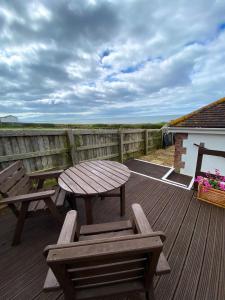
[[79, 126]]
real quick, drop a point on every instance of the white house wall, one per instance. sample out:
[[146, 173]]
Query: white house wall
[[214, 142]]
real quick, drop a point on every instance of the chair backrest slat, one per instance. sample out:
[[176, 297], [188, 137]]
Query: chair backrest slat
[[123, 265], [14, 180]]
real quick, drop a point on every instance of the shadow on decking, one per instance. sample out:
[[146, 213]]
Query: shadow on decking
[[195, 244]]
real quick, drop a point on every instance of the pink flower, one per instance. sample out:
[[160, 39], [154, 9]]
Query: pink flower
[[222, 186], [216, 181], [217, 172], [207, 184], [199, 179]]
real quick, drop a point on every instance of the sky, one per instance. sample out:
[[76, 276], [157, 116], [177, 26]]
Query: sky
[[110, 61]]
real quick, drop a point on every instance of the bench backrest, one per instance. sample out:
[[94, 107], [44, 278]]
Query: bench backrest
[[107, 266], [14, 180]]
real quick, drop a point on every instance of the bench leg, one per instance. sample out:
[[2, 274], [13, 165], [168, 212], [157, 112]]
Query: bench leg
[[53, 209], [20, 223], [122, 200]]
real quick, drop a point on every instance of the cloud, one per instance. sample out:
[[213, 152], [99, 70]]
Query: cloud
[[83, 60]]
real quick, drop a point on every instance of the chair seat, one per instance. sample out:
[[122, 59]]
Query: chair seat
[[106, 235]]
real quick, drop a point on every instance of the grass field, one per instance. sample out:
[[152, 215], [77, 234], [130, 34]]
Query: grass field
[[79, 126]]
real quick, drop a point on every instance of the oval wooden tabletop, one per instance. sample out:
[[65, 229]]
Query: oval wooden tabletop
[[94, 177]]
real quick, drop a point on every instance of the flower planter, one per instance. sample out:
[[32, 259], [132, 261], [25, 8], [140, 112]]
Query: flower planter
[[213, 196]]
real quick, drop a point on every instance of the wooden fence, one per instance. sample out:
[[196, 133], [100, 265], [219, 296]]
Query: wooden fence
[[42, 149]]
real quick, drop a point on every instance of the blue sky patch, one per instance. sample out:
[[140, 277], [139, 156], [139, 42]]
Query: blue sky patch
[[111, 78], [222, 27]]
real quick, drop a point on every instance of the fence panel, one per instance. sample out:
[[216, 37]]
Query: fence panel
[[49, 149]]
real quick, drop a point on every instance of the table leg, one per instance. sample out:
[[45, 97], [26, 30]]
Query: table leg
[[72, 201], [122, 200], [88, 208]]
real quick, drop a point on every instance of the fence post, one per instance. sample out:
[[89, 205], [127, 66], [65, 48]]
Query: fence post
[[146, 142], [121, 145], [72, 146]]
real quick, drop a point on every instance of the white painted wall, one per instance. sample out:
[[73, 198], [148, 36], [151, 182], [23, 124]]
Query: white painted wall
[[211, 141]]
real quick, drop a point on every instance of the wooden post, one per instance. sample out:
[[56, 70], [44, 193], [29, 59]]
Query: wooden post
[[146, 142], [72, 146], [199, 163], [121, 145]]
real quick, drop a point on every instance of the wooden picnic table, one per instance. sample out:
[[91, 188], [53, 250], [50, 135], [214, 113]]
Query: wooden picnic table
[[95, 178]]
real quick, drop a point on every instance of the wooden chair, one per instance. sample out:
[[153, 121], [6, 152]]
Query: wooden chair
[[25, 199], [106, 259]]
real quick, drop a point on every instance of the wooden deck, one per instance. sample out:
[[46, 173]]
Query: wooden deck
[[195, 244], [180, 178], [147, 168]]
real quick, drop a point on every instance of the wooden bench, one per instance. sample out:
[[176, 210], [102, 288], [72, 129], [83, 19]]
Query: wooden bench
[[25, 196], [105, 259]]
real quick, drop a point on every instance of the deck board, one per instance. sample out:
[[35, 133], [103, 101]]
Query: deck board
[[195, 244]]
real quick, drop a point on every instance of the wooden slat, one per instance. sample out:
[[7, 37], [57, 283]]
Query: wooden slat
[[34, 132], [12, 180], [167, 286], [107, 172], [31, 196], [72, 146], [23, 186], [9, 170], [123, 288], [194, 260], [109, 156], [144, 227], [67, 183], [60, 198], [79, 181], [108, 247], [107, 268], [19, 156], [110, 171], [108, 277], [96, 178], [66, 235], [105, 227], [82, 148], [116, 166], [88, 181], [101, 174], [105, 235], [209, 283]]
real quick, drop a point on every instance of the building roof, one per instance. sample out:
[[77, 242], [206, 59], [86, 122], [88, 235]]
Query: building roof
[[209, 116]]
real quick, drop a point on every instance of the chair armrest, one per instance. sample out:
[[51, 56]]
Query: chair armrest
[[45, 175], [142, 226], [28, 197], [140, 221], [69, 228], [66, 236]]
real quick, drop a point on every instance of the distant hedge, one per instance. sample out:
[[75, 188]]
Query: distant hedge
[[81, 126]]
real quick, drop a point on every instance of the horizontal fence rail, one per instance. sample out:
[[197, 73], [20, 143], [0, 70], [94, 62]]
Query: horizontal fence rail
[[42, 149]]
